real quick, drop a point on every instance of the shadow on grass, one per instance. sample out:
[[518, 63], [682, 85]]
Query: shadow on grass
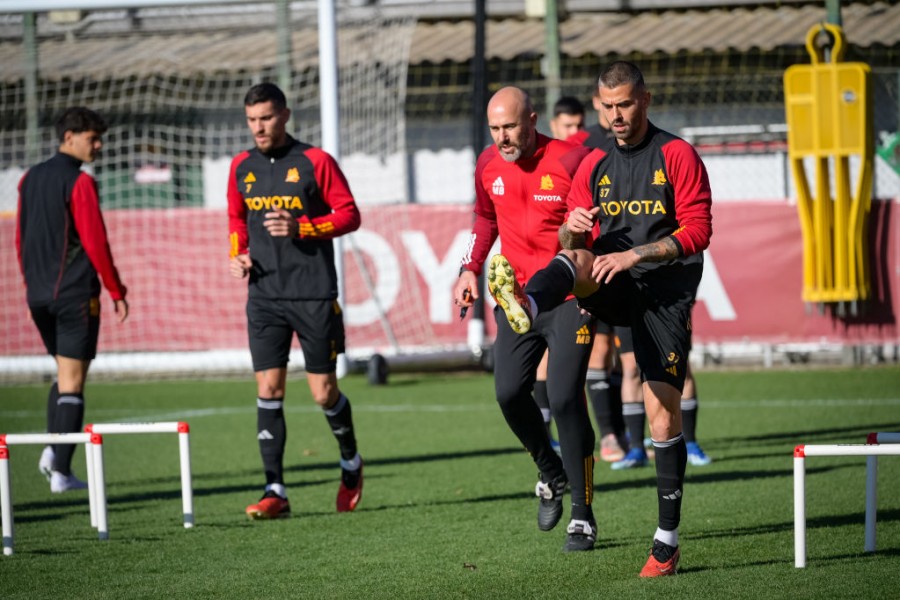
[[117, 501], [857, 518], [855, 434]]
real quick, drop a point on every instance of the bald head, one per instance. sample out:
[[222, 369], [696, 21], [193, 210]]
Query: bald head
[[512, 121]]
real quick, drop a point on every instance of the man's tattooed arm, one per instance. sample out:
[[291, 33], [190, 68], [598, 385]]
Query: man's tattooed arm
[[663, 250]]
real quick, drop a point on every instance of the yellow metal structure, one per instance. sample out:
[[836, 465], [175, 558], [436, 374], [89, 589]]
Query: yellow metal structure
[[829, 116]]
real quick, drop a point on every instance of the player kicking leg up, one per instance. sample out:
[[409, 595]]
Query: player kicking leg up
[[567, 334], [662, 344]]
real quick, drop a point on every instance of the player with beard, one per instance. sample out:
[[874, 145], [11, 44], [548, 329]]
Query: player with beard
[[521, 183], [287, 201], [650, 193]]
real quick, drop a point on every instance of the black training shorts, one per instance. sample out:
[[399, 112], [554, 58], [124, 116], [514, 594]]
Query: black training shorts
[[657, 308], [69, 328], [319, 325]]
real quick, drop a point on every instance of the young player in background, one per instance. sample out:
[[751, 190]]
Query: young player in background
[[62, 246]]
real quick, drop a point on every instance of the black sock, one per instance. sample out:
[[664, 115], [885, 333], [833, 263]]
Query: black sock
[[689, 409], [69, 418], [550, 286], [271, 433], [52, 397], [543, 403], [635, 421], [615, 403], [340, 419], [671, 460], [601, 399]]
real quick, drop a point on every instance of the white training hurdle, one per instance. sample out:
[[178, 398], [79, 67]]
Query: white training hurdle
[[869, 450], [872, 484], [93, 451], [184, 449]]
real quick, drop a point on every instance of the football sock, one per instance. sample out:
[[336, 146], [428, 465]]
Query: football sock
[[271, 433], [689, 409], [340, 419], [601, 399], [635, 420], [671, 461], [615, 394], [549, 287], [543, 402], [667, 537], [69, 418], [277, 488], [52, 397]]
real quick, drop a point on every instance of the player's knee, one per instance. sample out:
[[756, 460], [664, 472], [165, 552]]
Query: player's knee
[[509, 394], [324, 391]]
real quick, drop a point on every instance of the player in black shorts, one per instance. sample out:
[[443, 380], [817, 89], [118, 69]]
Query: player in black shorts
[[287, 201], [650, 193], [635, 416], [62, 247]]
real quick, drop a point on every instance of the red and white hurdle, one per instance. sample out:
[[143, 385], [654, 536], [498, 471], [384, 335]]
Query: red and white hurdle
[[93, 451], [870, 450], [872, 484], [184, 450]]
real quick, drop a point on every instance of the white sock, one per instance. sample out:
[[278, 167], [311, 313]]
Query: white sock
[[667, 537], [278, 488], [353, 464]]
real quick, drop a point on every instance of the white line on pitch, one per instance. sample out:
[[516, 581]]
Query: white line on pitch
[[130, 415]]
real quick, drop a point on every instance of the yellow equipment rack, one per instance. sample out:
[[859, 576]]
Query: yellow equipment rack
[[829, 117]]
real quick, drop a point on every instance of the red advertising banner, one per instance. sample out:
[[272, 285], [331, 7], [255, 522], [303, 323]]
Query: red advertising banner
[[399, 269]]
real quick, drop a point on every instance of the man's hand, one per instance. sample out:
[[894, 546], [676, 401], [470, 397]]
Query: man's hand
[[572, 234], [280, 223], [606, 266], [240, 265], [582, 220], [121, 309], [465, 292]]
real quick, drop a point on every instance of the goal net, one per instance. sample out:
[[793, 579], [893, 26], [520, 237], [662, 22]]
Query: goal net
[[171, 83]]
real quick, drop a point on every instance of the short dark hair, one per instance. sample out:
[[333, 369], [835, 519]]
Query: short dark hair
[[78, 119], [619, 73], [266, 92], [568, 105]]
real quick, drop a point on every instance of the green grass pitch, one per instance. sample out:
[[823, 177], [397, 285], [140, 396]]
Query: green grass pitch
[[448, 509]]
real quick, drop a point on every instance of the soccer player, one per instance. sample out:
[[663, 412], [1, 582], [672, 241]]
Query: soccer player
[[287, 201], [650, 193], [568, 117], [521, 183], [62, 246]]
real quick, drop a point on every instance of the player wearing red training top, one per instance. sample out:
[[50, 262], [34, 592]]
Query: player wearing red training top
[[651, 195], [521, 184], [287, 201], [62, 246]]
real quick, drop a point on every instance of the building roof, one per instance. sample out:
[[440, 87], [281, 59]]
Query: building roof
[[250, 45]]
